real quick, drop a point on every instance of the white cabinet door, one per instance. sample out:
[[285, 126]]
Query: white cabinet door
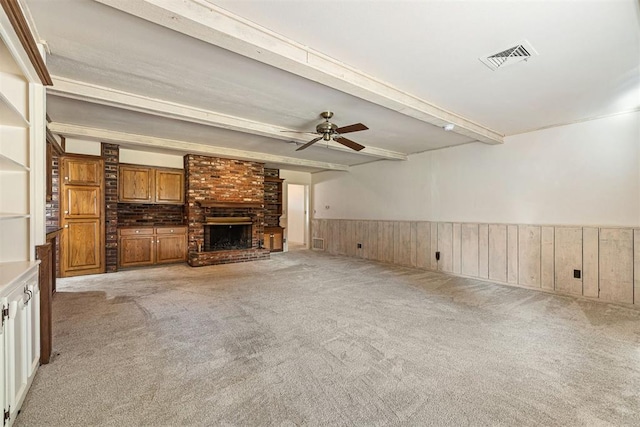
[[4, 386], [17, 349], [33, 320]]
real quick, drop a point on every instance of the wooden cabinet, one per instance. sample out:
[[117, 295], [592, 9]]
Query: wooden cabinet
[[141, 184], [273, 239], [135, 184], [152, 245]]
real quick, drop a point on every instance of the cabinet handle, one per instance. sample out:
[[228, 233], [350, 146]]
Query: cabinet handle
[[66, 178], [137, 231], [66, 226], [171, 231], [66, 212]]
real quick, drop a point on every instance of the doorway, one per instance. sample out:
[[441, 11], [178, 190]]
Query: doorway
[[297, 196]]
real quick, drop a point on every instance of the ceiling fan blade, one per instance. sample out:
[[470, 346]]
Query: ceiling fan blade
[[310, 143], [352, 128], [298, 131], [348, 143]]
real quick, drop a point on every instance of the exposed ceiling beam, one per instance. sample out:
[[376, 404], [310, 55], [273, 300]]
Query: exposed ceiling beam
[[74, 89], [205, 21], [105, 135]]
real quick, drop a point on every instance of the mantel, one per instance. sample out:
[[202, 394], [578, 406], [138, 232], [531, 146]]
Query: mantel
[[230, 205]]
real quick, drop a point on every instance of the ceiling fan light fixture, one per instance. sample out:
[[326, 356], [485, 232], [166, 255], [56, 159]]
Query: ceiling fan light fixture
[[326, 136]]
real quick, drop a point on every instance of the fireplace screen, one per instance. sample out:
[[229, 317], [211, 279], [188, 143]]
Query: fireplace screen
[[224, 235]]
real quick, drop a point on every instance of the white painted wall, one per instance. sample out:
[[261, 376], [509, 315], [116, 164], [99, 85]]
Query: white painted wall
[[148, 158], [81, 146], [586, 173]]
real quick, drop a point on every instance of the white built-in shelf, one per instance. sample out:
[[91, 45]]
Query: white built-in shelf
[[12, 271], [8, 164], [12, 215], [10, 115]]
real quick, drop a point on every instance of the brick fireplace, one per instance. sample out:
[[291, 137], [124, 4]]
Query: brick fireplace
[[223, 191]]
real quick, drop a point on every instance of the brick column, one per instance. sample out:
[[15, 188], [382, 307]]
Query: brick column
[[111, 154]]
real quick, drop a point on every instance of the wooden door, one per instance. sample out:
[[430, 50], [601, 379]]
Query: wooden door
[[81, 216], [169, 186], [135, 184], [136, 250]]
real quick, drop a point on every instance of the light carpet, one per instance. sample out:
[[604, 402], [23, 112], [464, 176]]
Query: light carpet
[[312, 339]]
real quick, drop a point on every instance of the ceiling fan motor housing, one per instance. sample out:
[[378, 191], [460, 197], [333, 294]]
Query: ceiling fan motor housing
[[326, 129]]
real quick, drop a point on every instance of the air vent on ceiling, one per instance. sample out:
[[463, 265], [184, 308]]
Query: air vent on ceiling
[[520, 52]]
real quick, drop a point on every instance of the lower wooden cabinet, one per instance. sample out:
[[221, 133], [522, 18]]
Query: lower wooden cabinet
[[151, 245], [273, 239]]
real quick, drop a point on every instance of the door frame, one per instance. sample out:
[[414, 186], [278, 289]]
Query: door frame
[[306, 221]]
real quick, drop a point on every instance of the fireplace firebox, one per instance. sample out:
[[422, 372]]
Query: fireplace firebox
[[227, 233]]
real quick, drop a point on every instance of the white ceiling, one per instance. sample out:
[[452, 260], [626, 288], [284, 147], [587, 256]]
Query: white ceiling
[[588, 66]]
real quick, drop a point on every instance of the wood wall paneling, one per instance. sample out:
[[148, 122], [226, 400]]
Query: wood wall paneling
[[361, 236], [456, 247], [590, 265], [636, 266], [498, 252], [512, 254], [616, 265], [414, 244], [529, 268], [547, 255], [568, 257], [372, 246], [469, 250], [350, 238], [385, 241], [402, 243], [423, 245], [445, 246], [434, 245], [483, 251]]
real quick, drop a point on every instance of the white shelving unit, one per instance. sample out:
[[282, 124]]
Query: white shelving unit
[[22, 194]]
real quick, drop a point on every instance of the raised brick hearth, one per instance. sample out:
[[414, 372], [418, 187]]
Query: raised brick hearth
[[230, 188]]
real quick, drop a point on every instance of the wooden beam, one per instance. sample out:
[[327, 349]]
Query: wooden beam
[[73, 89], [186, 147], [203, 20]]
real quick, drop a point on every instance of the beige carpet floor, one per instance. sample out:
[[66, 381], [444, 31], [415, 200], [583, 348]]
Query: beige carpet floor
[[311, 339]]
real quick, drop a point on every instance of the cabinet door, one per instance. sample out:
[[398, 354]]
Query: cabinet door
[[277, 242], [17, 349], [33, 327], [81, 202], [3, 359], [136, 250], [82, 248], [136, 184], [169, 186], [171, 248], [81, 171]]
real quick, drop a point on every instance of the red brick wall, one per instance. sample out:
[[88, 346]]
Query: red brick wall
[[111, 156], [221, 180], [131, 214], [52, 208]]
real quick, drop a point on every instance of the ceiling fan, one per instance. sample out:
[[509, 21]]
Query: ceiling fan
[[328, 131]]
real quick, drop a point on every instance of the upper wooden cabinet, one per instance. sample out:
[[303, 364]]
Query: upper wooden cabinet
[[81, 171], [142, 184], [169, 186]]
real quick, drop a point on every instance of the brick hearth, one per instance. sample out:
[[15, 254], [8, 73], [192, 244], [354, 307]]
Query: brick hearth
[[237, 182]]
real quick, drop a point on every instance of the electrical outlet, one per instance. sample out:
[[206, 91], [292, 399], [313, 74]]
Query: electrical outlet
[[359, 245], [576, 274]]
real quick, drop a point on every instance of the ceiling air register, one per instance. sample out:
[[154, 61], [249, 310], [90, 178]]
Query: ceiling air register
[[520, 52]]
